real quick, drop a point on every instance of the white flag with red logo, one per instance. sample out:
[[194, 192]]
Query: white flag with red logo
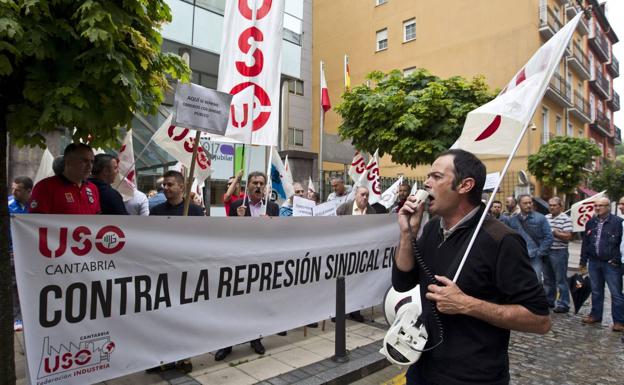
[[370, 180], [358, 165], [178, 142], [495, 127], [390, 195], [325, 103], [125, 182], [582, 211], [251, 60]]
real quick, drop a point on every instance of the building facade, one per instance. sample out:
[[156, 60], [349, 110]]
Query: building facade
[[492, 38]]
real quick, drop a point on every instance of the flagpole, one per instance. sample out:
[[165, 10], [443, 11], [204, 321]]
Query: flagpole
[[536, 102], [254, 19], [321, 128]]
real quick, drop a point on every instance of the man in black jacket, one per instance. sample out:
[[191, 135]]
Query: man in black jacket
[[103, 174], [601, 246], [496, 291]]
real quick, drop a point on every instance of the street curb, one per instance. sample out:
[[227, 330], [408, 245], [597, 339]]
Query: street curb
[[364, 361]]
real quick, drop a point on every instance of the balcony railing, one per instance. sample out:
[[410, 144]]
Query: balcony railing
[[614, 102], [571, 10], [617, 137], [549, 22], [579, 61], [560, 90], [580, 108], [614, 67], [599, 43], [600, 84], [601, 124]]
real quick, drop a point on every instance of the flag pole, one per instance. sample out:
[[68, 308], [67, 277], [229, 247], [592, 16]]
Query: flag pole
[[536, 102], [321, 128]]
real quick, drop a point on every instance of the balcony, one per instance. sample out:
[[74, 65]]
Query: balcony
[[617, 138], [579, 62], [580, 108], [600, 84], [601, 124], [549, 23], [599, 44], [614, 67], [560, 91], [614, 102], [571, 11]]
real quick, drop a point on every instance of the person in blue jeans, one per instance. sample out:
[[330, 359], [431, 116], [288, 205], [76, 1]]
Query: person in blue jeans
[[556, 265], [601, 248], [535, 230]]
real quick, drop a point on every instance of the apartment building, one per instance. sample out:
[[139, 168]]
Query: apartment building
[[468, 38]]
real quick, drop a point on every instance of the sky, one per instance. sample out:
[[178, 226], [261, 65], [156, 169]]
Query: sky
[[615, 14]]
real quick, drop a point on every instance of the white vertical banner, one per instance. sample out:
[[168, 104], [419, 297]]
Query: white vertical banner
[[251, 60], [45, 167], [125, 183]]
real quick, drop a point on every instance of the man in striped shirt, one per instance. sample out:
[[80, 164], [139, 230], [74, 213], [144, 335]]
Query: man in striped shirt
[[556, 265]]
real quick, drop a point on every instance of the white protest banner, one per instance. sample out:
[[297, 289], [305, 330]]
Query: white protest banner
[[302, 207], [45, 167], [201, 108], [491, 180], [327, 209], [582, 211], [390, 195], [178, 142], [251, 60], [109, 296], [358, 166]]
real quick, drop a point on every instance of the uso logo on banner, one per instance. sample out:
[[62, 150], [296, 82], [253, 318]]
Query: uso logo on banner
[[585, 213], [107, 240]]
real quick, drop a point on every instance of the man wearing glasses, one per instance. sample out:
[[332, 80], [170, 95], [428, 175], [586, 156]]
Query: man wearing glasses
[[601, 247]]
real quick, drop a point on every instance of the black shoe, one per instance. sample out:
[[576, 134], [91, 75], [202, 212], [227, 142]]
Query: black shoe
[[312, 325], [162, 368], [561, 309], [333, 319], [185, 366], [222, 353], [256, 345], [356, 316], [282, 334]]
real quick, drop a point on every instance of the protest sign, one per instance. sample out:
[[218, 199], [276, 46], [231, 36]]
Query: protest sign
[[302, 207], [326, 209], [201, 108], [104, 292]]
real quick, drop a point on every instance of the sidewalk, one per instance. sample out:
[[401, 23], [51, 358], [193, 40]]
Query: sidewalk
[[294, 358]]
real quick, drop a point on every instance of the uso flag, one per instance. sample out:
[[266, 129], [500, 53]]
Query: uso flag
[[582, 211], [495, 127], [250, 68]]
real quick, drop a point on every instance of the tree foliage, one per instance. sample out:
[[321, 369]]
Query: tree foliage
[[610, 178], [562, 162], [84, 65], [412, 118], [87, 65]]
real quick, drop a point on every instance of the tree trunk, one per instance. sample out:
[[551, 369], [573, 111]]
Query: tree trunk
[[7, 360]]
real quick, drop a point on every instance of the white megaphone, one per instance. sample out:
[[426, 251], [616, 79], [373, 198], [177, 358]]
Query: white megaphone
[[406, 339]]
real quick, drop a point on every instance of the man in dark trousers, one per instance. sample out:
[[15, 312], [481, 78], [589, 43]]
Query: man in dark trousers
[[497, 290], [252, 206], [601, 246], [105, 170]]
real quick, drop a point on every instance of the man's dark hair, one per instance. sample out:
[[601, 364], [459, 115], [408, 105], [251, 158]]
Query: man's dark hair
[[58, 165], [515, 201], [101, 162], [255, 174], [524, 195], [24, 181], [337, 178], [407, 184], [497, 201], [73, 147], [467, 165], [174, 174]]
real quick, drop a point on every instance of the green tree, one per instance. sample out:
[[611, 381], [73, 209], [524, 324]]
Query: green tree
[[610, 178], [561, 163], [412, 118], [85, 65]]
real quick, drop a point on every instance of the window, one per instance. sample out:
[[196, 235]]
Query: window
[[409, 71], [570, 129], [558, 125], [409, 30], [295, 86], [380, 2], [382, 39], [295, 136], [581, 133], [546, 129]]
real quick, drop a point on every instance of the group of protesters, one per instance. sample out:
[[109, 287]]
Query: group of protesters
[[83, 184]]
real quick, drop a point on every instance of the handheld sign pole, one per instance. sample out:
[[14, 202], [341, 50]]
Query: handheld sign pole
[[189, 180]]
